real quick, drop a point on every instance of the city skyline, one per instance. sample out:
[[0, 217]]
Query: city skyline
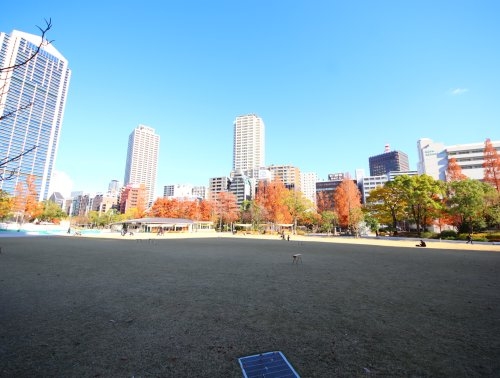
[[334, 82]]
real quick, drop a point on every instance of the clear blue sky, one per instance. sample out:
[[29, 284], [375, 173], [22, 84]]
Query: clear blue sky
[[334, 81]]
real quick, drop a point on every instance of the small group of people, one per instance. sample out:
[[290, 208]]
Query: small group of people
[[283, 236]]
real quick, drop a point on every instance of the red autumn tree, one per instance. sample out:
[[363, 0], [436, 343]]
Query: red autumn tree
[[491, 165], [324, 201], [26, 205], [272, 197], [454, 171], [226, 208], [348, 204], [33, 209], [19, 201], [206, 210]]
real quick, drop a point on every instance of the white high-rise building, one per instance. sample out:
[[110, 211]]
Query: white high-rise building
[[142, 159], [249, 148], [308, 182], [32, 102], [434, 157]]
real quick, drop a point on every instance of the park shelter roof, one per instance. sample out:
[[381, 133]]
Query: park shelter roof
[[176, 221]]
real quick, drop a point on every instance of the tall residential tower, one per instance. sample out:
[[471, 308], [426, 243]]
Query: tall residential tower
[[32, 101], [248, 149], [142, 159]]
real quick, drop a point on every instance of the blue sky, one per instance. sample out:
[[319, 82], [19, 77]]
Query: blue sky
[[334, 81]]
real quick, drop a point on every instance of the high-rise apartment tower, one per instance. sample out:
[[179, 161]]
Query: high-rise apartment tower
[[32, 101], [142, 159], [249, 149]]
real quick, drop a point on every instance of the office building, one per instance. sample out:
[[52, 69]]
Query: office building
[[248, 148], [241, 186], [388, 161], [217, 185], [308, 185], [289, 176], [133, 196], [433, 158], [142, 160], [179, 191], [114, 188], [32, 102]]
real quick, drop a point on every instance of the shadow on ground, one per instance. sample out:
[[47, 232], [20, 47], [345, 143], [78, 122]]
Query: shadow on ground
[[192, 307]]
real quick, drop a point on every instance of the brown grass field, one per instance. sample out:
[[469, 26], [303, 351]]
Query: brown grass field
[[177, 306]]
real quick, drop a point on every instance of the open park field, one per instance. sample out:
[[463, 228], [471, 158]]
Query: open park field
[[191, 306]]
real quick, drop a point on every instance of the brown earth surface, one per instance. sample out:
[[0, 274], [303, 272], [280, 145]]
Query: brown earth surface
[[191, 305]]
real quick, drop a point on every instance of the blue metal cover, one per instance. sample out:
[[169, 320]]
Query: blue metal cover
[[267, 365]]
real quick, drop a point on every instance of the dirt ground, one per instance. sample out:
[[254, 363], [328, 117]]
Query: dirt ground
[[190, 307]]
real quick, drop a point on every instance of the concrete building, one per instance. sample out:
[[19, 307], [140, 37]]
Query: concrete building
[[185, 191], [217, 185], [178, 191], [241, 186], [142, 160], [308, 182], [368, 183], [289, 175], [133, 196], [388, 161], [32, 104], [433, 158], [114, 188], [248, 147], [200, 192], [102, 203]]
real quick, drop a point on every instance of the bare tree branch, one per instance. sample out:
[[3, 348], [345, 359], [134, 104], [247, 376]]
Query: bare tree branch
[[23, 107], [43, 42], [9, 174]]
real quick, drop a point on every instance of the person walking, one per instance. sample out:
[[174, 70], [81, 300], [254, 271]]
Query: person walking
[[469, 239]]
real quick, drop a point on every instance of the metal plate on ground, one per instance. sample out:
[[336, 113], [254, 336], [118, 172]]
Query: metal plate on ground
[[267, 365]]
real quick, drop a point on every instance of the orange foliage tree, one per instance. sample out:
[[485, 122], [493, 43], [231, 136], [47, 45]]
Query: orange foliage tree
[[175, 208], [454, 171], [226, 208], [491, 165], [272, 197], [26, 204], [348, 204], [324, 201]]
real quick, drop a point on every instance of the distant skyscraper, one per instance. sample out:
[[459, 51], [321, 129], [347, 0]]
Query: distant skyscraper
[[249, 149], [142, 159], [387, 162], [113, 188], [34, 94]]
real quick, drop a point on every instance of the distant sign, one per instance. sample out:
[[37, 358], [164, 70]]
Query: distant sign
[[335, 176]]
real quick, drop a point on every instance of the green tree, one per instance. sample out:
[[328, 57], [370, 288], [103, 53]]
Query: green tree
[[387, 204], [467, 201], [422, 195], [328, 220], [297, 205], [6, 205], [52, 212]]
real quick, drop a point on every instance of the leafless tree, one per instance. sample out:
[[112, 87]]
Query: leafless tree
[[5, 72]]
